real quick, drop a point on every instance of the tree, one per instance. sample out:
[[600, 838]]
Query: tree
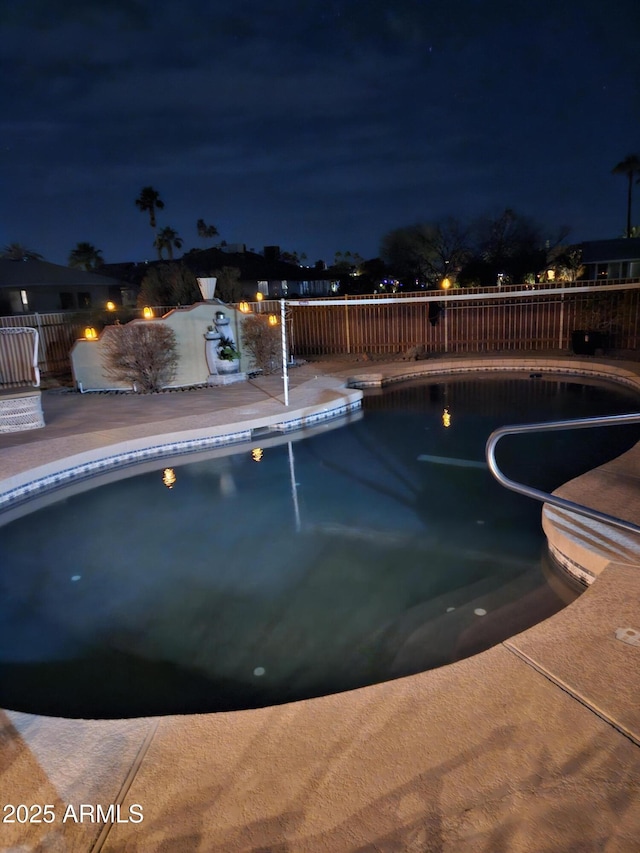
[[169, 284], [507, 247], [630, 167], [427, 252], [167, 238], [149, 200], [144, 355], [228, 287], [85, 256], [206, 232], [18, 252]]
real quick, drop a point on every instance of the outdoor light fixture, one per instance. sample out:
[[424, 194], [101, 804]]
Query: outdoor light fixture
[[244, 307], [446, 284], [111, 306], [90, 333], [446, 417], [257, 453], [273, 319], [169, 477], [147, 313], [259, 297]]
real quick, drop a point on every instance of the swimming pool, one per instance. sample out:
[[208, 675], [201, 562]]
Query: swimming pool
[[306, 567]]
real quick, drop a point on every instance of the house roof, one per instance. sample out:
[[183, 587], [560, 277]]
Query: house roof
[[44, 274], [623, 249], [252, 266]]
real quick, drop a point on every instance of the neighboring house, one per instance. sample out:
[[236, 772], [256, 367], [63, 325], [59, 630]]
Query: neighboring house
[[609, 260], [263, 273], [39, 286]]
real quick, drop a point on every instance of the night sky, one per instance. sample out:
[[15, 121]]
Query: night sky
[[316, 125]]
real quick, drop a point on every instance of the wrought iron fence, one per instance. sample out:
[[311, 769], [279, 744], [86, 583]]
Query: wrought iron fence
[[544, 317]]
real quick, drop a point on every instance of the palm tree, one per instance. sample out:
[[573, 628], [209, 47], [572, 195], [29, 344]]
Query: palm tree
[[206, 232], [149, 199], [167, 238], [630, 167], [18, 252], [85, 256]]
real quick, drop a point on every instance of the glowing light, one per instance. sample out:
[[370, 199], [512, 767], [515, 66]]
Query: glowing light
[[273, 320], [259, 297], [257, 453], [446, 284], [244, 307], [147, 313], [90, 333], [446, 418], [111, 306], [169, 477]]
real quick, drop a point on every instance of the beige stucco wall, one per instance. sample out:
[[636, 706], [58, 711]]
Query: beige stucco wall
[[189, 325]]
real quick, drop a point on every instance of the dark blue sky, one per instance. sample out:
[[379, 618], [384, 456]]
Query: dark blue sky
[[318, 125]]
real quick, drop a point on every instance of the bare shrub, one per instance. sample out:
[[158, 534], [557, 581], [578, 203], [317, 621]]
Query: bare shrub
[[144, 355], [263, 343]]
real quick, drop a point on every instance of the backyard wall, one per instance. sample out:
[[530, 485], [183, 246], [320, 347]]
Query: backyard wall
[[189, 325]]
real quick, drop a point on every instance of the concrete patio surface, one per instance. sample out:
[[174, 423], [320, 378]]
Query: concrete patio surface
[[530, 747]]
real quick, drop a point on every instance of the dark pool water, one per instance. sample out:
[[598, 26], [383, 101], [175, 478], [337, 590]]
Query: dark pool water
[[363, 553]]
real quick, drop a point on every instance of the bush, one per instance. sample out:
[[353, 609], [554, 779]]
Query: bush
[[263, 343], [144, 355]]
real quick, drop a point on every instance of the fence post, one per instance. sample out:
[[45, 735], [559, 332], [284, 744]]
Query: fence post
[[561, 332], [346, 324], [42, 345]]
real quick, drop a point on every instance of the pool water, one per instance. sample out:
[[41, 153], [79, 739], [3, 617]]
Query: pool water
[[306, 567]]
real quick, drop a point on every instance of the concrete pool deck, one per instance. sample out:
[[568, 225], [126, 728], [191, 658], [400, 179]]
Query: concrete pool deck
[[530, 747]]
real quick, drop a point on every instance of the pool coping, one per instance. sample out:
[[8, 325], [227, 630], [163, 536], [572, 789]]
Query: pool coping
[[369, 767], [114, 451]]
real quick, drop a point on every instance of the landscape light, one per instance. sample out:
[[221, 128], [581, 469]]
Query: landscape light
[[259, 297], [90, 333], [446, 284], [147, 313], [111, 306], [244, 307], [273, 319]]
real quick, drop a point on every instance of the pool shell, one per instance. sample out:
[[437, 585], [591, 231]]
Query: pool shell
[[340, 398], [410, 764]]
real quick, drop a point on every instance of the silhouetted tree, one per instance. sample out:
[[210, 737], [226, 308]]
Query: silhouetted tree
[[149, 201], [85, 256], [630, 167], [428, 252], [169, 284], [206, 232], [18, 252], [228, 287], [167, 238]]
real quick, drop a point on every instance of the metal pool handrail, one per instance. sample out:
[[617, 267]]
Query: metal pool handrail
[[537, 494]]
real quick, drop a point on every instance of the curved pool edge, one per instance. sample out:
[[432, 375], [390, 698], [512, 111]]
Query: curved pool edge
[[312, 403], [531, 743], [622, 373]]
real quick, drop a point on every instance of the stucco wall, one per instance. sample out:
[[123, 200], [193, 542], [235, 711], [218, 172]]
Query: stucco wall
[[189, 325]]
